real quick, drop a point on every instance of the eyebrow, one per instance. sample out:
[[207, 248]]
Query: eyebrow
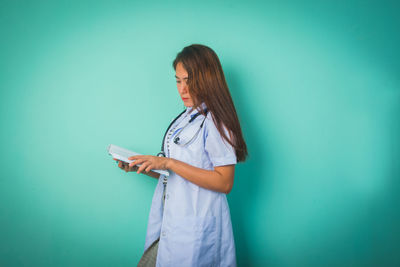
[[185, 78]]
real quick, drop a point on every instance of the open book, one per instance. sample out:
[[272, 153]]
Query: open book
[[123, 154]]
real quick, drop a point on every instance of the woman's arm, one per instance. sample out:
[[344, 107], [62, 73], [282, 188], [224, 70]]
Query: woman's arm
[[220, 179]]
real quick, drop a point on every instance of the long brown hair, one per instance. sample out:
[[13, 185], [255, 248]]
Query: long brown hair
[[206, 81]]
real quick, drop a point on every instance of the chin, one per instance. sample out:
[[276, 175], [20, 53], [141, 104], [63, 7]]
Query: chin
[[188, 105]]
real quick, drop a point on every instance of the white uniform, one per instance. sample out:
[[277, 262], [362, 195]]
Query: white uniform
[[195, 228]]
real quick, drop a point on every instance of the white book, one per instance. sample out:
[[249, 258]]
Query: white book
[[123, 154]]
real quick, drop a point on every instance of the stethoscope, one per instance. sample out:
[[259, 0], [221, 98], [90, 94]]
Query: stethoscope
[[176, 138], [177, 141]]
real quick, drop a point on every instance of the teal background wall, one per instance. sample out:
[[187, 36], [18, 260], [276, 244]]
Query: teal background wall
[[316, 86]]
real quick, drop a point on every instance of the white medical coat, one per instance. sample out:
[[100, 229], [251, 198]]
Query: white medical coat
[[195, 227]]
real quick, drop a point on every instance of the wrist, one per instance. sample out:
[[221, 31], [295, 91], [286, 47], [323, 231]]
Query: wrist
[[168, 163]]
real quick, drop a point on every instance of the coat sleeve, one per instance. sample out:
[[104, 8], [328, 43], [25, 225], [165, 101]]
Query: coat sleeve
[[219, 151]]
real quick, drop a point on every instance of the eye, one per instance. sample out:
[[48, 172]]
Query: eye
[[178, 81]]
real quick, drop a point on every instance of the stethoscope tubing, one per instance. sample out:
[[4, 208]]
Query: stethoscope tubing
[[162, 152]]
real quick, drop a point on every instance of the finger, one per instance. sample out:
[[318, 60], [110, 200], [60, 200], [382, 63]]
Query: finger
[[149, 168], [133, 168], [136, 157], [143, 166], [122, 165], [136, 162], [126, 167], [143, 157]]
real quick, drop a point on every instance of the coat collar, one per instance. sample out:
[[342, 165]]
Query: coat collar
[[202, 106]]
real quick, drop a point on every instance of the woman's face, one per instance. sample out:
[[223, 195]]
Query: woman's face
[[181, 82]]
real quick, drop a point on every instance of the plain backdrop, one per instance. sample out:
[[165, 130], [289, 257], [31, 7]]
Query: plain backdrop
[[316, 86]]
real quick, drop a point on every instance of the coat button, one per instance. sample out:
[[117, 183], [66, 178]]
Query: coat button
[[167, 196], [164, 233]]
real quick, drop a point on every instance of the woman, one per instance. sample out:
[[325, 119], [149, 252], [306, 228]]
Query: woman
[[189, 222]]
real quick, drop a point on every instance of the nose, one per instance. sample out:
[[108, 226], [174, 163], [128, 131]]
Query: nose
[[182, 88]]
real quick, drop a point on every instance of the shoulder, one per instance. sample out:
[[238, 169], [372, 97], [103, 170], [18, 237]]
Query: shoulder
[[218, 149], [209, 123], [209, 118], [211, 128]]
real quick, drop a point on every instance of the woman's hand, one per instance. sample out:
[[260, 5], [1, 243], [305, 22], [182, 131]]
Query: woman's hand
[[148, 163], [124, 166]]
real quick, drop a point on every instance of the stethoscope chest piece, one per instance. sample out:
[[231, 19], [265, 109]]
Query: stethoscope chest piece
[[176, 140]]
